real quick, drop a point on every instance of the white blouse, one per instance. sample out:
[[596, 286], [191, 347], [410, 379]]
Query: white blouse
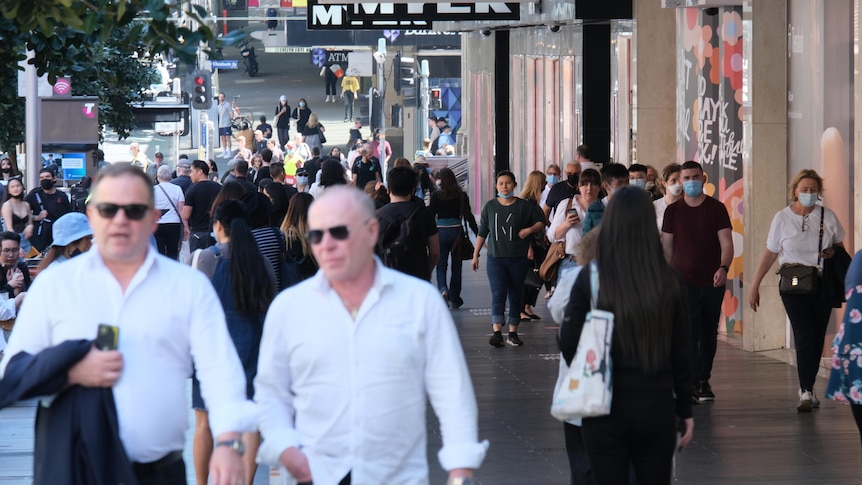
[[573, 235], [795, 237]]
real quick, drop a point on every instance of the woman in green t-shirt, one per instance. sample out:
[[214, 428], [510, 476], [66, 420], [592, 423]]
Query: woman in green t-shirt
[[506, 226]]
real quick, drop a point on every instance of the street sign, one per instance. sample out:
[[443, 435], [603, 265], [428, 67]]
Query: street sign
[[388, 16], [226, 64], [287, 50], [168, 126]]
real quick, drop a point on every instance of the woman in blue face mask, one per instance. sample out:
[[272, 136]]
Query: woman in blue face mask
[[794, 237], [507, 225]]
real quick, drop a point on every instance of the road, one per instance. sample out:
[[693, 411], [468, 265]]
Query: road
[[290, 74]]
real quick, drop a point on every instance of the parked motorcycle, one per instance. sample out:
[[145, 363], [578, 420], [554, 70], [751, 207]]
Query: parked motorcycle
[[249, 58]]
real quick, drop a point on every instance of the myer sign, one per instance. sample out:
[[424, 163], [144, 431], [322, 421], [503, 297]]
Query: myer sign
[[402, 15]]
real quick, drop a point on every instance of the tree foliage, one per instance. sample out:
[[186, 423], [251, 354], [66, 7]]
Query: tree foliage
[[100, 44]]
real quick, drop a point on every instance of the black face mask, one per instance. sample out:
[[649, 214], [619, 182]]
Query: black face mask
[[46, 184], [19, 196], [6, 169], [572, 179], [74, 253]]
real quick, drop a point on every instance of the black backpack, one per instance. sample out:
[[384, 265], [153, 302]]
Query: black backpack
[[79, 198], [395, 244]]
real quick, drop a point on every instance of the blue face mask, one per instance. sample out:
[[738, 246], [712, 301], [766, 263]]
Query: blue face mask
[[692, 188], [302, 180], [808, 200], [639, 183], [302, 105], [553, 179], [506, 196]]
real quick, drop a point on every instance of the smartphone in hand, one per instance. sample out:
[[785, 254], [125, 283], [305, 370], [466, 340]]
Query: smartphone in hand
[[108, 337]]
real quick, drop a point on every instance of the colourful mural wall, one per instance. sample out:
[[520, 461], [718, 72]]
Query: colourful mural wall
[[709, 122]]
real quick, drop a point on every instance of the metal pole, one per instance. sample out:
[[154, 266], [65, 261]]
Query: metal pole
[[33, 111], [424, 72]]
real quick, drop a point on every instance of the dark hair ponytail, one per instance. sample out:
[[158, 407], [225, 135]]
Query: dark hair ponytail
[[252, 293]]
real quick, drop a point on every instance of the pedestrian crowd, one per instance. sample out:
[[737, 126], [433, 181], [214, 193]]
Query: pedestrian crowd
[[334, 389]]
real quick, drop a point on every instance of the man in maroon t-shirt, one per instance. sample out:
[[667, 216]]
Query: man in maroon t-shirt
[[697, 241]]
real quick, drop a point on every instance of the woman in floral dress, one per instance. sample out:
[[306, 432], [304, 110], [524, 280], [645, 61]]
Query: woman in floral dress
[[845, 381]]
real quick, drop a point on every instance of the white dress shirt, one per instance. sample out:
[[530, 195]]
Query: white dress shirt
[[352, 394], [168, 317]]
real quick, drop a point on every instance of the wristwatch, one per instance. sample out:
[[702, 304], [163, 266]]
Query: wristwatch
[[236, 445], [725, 267], [460, 481]]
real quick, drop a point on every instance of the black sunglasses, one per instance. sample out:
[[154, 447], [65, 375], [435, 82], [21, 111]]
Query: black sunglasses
[[135, 212], [340, 233]]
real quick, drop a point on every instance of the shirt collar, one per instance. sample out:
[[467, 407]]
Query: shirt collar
[[383, 277], [93, 259]]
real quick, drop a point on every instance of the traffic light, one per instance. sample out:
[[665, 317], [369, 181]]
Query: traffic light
[[202, 89], [406, 73], [436, 102]]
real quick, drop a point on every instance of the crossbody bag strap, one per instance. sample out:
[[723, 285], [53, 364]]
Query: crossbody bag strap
[[169, 200], [594, 284], [820, 241], [463, 212]]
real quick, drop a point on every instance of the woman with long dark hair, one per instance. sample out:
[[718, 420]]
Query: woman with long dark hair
[[450, 205], [236, 269], [229, 191], [506, 223], [331, 173], [276, 194], [650, 351], [16, 213], [8, 170], [299, 260]]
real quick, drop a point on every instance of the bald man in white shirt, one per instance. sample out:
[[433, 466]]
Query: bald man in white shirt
[[122, 282], [342, 400]]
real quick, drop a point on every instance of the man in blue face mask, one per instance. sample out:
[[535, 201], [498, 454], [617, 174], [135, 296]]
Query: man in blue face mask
[[697, 239]]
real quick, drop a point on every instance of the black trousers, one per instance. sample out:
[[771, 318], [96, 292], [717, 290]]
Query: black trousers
[[579, 462], [639, 434], [857, 416], [704, 310], [168, 237], [809, 318], [330, 85], [173, 474]]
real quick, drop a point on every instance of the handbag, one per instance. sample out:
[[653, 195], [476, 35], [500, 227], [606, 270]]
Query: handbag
[[556, 253], [586, 389], [463, 248], [800, 279], [533, 280], [321, 135]]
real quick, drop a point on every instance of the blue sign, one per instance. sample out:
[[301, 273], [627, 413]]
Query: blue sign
[[225, 64]]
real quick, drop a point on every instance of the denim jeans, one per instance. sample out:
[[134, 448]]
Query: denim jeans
[[448, 236], [704, 310], [506, 276]]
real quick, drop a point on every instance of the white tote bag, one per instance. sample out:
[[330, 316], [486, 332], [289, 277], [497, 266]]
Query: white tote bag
[[587, 389]]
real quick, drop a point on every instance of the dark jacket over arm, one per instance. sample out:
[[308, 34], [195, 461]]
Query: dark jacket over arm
[[77, 436]]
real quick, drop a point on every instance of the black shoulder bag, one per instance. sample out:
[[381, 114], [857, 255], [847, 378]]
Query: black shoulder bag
[[799, 279]]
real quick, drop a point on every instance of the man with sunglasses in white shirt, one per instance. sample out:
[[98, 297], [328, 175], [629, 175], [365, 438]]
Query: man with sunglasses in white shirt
[[118, 284], [342, 400]]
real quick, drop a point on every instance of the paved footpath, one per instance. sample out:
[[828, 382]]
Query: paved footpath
[[750, 434]]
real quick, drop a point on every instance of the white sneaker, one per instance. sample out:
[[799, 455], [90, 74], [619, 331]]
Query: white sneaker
[[805, 403], [815, 403]]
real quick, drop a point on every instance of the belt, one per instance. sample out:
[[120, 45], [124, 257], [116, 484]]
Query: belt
[[147, 469]]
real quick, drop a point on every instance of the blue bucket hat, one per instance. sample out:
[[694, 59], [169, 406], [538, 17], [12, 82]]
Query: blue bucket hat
[[69, 228]]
